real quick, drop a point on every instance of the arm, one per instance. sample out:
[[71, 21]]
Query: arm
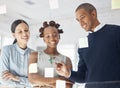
[[36, 78], [9, 78], [13, 80], [79, 76], [69, 66], [63, 69], [4, 60], [75, 76]]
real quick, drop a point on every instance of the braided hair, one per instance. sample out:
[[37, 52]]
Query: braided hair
[[52, 24]]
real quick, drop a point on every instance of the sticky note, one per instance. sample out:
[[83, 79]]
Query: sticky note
[[60, 84], [49, 72], [3, 9], [83, 42], [33, 68]]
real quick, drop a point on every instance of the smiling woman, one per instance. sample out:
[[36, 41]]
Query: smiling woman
[[47, 58], [14, 58]]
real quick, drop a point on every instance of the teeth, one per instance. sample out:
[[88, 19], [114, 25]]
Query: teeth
[[84, 26], [25, 38], [52, 42]]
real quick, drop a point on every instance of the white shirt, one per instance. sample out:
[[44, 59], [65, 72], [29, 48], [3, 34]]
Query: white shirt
[[97, 27]]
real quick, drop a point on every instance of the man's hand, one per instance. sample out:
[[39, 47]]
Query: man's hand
[[62, 69]]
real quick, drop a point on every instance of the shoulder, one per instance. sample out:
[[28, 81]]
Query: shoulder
[[6, 50], [33, 54], [33, 57], [31, 49], [66, 57], [113, 27], [7, 47], [68, 62]]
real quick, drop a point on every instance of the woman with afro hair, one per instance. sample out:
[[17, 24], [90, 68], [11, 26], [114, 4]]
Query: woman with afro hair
[[48, 58]]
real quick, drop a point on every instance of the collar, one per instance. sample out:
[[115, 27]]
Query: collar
[[19, 49], [98, 27]]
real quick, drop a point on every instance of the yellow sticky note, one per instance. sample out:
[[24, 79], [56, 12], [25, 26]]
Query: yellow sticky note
[[115, 4]]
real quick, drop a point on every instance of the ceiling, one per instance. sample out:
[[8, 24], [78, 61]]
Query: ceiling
[[37, 11]]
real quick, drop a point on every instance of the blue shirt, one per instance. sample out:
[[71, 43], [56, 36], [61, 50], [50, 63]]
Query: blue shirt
[[15, 60]]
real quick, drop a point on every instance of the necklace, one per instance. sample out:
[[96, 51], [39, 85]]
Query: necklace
[[51, 59]]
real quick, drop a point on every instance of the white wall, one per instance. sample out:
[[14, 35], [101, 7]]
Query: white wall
[[71, 28]]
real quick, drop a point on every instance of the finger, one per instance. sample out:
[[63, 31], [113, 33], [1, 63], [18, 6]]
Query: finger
[[59, 65], [6, 75], [4, 72], [7, 78], [61, 62], [69, 82], [59, 72], [58, 68]]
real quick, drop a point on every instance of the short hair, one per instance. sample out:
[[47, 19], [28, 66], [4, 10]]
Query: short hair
[[87, 6], [52, 24]]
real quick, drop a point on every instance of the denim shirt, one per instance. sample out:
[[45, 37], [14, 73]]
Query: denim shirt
[[15, 60]]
